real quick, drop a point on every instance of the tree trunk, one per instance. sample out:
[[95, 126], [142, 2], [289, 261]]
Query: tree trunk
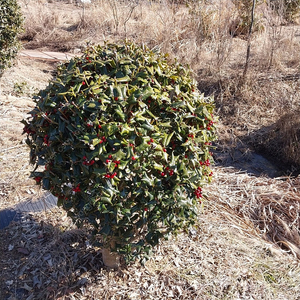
[[110, 259], [249, 41]]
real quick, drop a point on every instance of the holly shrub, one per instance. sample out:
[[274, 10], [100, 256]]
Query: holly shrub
[[122, 137], [10, 26]]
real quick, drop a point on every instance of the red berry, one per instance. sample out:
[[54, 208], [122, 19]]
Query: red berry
[[99, 126], [109, 156], [133, 158], [151, 140], [146, 209], [165, 150], [171, 172], [162, 174], [38, 179], [107, 161], [83, 83], [116, 98], [77, 189]]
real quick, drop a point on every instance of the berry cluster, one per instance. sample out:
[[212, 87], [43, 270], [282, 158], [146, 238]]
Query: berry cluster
[[38, 179], [87, 162], [205, 163], [167, 171], [77, 189], [46, 139], [28, 131], [198, 192]]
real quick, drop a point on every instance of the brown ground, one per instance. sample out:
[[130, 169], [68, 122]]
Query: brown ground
[[246, 244]]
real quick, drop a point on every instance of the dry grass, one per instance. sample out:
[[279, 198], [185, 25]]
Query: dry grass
[[262, 205], [14, 182], [48, 259], [246, 244], [222, 257]]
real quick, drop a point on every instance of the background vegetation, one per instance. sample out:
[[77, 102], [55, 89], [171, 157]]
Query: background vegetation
[[10, 27], [210, 36]]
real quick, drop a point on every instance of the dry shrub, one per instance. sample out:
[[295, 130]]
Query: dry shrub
[[47, 25], [282, 141]]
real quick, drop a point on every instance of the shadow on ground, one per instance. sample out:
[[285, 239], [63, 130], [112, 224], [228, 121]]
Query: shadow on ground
[[280, 142], [236, 153], [42, 261], [46, 202]]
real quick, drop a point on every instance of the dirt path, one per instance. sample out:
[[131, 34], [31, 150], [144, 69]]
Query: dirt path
[[46, 55]]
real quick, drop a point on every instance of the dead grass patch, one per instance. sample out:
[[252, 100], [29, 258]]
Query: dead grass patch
[[44, 257], [265, 206], [15, 169]]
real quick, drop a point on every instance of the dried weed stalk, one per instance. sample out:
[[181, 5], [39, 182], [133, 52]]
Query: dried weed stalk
[[263, 206]]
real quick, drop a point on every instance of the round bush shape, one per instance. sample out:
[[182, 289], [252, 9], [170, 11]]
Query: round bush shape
[[122, 137], [10, 26]]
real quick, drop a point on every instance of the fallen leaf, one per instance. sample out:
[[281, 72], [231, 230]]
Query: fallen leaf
[[27, 287], [36, 282], [82, 281], [9, 282], [23, 250]]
